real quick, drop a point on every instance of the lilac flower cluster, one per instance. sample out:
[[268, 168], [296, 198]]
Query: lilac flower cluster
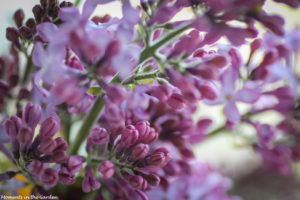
[[133, 85], [41, 157]]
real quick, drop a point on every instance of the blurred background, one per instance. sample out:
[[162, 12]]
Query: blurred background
[[226, 151]]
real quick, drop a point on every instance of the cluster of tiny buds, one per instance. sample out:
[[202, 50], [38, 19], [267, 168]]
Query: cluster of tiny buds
[[46, 11], [131, 150], [33, 154]]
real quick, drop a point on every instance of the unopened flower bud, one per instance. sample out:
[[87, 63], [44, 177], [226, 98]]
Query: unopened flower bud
[[23, 93], [65, 177], [161, 92], [61, 144], [38, 11], [32, 114], [98, 136], [12, 127], [217, 61], [143, 128], [25, 137], [129, 136], [89, 182], [49, 177], [176, 101], [59, 156], [25, 32], [151, 137], [13, 80], [19, 17], [44, 3], [47, 146], [3, 85], [160, 157], [65, 4], [140, 151], [30, 23], [75, 63], [74, 164], [106, 168], [137, 182], [256, 44], [49, 127], [153, 179], [36, 168], [12, 34], [172, 168], [208, 92]]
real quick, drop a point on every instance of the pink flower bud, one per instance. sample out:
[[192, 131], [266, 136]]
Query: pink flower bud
[[153, 179], [172, 168], [176, 101], [47, 146], [98, 136], [208, 92], [59, 156], [140, 151], [89, 182], [49, 127], [161, 92], [49, 177], [138, 182], [256, 44], [217, 61], [129, 136], [36, 168], [143, 128], [160, 157], [106, 168], [32, 114], [150, 137], [25, 137], [75, 63]]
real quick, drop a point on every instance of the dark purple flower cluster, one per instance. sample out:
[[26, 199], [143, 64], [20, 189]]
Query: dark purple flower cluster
[[38, 156]]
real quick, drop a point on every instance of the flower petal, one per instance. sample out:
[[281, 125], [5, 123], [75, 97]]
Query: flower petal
[[247, 95], [232, 113]]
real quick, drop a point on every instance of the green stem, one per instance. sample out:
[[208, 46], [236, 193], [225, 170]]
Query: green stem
[[218, 130], [27, 68], [142, 76], [87, 124], [77, 2], [149, 52]]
